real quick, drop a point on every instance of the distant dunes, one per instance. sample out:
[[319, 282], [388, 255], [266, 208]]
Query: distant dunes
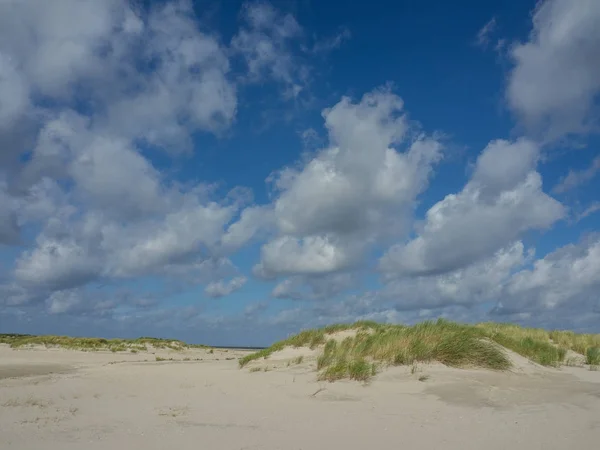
[[95, 344]]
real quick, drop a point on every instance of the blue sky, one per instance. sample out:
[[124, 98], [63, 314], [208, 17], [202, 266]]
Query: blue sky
[[231, 172]]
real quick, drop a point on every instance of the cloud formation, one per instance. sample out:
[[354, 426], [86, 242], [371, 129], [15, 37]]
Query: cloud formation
[[555, 82], [358, 190], [502, 200], [216, 289], [102, 104]]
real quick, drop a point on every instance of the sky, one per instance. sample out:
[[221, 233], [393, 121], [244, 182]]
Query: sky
[[232, 172]]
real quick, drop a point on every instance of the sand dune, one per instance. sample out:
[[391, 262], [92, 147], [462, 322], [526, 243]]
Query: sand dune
[[65, 399]]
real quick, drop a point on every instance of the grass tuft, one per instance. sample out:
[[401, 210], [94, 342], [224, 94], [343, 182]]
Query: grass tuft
[[592, 356]]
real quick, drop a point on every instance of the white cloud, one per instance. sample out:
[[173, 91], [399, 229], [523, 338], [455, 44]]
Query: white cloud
[[568, 278], [475, 284], [221, 288], [503, 199], [351, 194], [61, 302], [254, 221], [576, 178], [556, 79], [85, 51], [74, 72], [265, 42]]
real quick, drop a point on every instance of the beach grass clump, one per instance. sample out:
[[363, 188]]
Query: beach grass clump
[[561, 339], [355, 369], [579, 343], [592, 356], [450, 343], [532, 343], [541, 352]]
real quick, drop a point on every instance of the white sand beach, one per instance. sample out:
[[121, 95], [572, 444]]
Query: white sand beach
[[56, 399]]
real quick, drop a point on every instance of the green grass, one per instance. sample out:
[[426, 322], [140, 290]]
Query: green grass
[[307, 338], [592, 356], [95, 344], [579, 343], [453, 344]]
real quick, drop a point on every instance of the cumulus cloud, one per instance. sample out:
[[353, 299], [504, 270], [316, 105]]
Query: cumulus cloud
[[359, 189], [502, 200], [78, 73], [555, 81], [565, 279], [217, 289], [469, 286]]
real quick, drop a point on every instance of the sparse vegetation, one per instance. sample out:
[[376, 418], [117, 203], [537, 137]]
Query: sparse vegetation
[[577, 342], [457, 345]]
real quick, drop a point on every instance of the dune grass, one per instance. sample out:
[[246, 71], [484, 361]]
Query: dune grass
[[95, 344], [308, 338], [533, 343], [592, 356], [457, 345], [579, 343], [453, 344]]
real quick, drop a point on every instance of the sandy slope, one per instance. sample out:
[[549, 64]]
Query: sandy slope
[[93, 403]]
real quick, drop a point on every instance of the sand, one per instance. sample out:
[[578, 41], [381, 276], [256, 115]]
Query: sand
[[60, 399]]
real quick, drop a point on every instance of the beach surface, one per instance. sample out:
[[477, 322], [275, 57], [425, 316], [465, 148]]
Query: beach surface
[[65, 399]]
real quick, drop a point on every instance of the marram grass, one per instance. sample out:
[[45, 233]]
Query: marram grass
[[373, 345]]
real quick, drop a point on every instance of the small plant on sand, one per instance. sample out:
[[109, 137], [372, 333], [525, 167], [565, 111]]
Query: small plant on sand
[[160, 358], [356, 369], [255, 369], [298, 360]]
